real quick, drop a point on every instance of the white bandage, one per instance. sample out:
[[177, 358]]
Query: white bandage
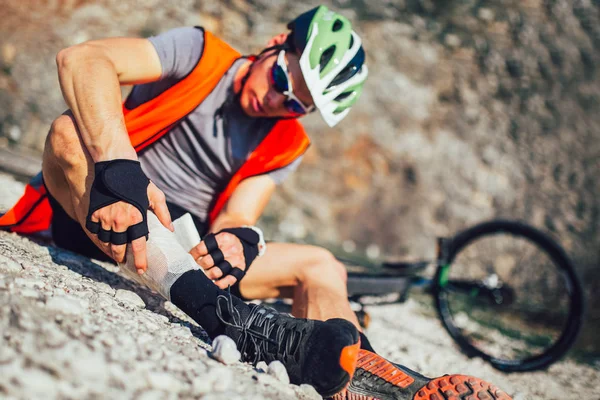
[[167, 254]]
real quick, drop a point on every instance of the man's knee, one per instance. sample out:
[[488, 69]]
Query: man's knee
[[63, 141], [323, 266]]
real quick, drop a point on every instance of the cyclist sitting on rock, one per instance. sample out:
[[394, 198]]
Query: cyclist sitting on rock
[[210, 132]]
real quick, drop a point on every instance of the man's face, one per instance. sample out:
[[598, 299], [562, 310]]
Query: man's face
[[260, 96]]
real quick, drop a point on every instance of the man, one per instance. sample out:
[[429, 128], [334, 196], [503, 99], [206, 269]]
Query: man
[[216, 132]]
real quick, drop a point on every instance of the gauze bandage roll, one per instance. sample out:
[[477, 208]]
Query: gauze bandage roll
[[167, 253], [186, 232]]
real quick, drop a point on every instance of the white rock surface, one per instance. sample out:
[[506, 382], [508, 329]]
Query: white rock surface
[[9, 266], [225, 350], [65, 305], [277, 370], [130, 298], [262, 366]]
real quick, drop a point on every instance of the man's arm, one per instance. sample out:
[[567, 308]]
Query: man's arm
[[244, 207], [90, 75], [246, 204]]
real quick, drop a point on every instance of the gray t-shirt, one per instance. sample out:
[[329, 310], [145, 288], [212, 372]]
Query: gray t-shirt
[[195, 160]]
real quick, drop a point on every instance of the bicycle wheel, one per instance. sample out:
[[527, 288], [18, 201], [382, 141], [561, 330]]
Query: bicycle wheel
[[509, 294]]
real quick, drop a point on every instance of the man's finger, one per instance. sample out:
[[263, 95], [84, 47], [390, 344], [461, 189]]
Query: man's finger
[[225, 282], [237, 261], [158, 204], [214, 273], [199, 251], [138, 246], [162, 213], [206, 262], [118, 252]]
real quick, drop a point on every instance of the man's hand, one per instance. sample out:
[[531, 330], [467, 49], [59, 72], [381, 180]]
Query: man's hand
[[120, 216], [117, 212], [226, 256]]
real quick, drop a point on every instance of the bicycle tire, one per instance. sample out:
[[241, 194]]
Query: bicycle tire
[[559, 258]]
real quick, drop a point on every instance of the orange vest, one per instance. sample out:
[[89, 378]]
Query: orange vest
[[151, 120]]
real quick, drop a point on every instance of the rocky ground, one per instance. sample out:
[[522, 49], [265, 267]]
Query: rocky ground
[[71, 328]]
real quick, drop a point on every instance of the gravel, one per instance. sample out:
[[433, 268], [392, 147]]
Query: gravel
[[225, 350], [73, 328]]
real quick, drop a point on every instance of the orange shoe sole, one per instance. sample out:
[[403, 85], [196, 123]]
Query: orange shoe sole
[[449, 387], [460, 387]]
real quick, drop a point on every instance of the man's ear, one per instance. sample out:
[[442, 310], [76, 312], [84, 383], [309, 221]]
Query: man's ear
[[277, 40]]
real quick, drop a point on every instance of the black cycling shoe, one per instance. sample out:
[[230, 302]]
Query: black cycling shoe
[[377, 378], [321, 354]]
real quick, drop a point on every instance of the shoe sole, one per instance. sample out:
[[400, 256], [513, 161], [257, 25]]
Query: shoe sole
[[448, 387], [465, 387]]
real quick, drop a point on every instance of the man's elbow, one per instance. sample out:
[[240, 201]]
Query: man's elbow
[[68, 58]]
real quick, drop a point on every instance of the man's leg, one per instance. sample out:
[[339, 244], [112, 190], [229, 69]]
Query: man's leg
[[260, 334], [317, 283], [310, 275], [66, 165]]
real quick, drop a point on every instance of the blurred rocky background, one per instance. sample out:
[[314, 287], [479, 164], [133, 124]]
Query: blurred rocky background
[[473, 110]]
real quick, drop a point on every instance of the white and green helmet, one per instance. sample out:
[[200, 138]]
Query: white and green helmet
[[332, 60]]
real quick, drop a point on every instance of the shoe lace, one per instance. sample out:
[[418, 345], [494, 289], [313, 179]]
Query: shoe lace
[[262, 327]]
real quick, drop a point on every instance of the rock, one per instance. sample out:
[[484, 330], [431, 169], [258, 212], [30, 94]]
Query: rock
[[485, 14], [308, 392], [152, 395], [30, 283], [66, 390], [104, 288], [201, 385], [64, 305], [9, 266], [277, 370], [452, 40], [38, 385], [130, 298], [88, 330], [54, 337], [25, 321], [31, 294], [103, 301], [225, 350], [262, 366], [222, 379], [7, 354], [163, 381], [14, 133]]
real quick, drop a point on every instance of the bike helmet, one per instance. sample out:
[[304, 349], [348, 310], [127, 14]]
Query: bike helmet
[[332, 60]]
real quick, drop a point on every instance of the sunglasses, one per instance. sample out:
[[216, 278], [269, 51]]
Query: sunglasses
[[280, 80]]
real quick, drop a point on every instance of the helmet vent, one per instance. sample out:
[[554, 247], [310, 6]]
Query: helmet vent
[[353, 67], [343, 96], [337, 25], [326, 56]]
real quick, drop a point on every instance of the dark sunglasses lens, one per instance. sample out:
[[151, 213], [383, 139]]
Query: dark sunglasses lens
[[279, 78], [294, 107]]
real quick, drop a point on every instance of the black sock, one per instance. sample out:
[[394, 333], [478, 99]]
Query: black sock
[[364, 343], [196, 295]]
